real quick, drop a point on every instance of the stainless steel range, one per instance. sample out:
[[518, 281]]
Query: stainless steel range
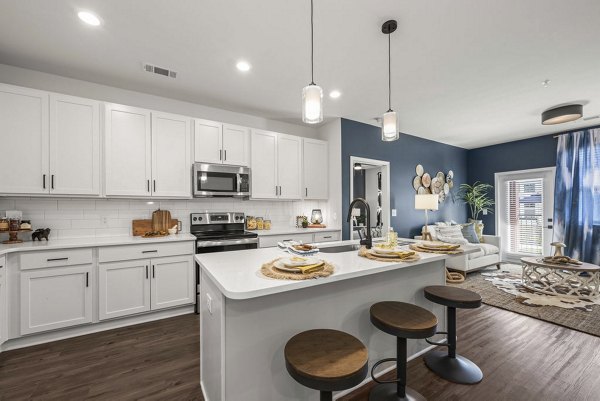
[[220, 232]]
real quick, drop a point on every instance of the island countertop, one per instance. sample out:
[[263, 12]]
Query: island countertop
[[237, 274]]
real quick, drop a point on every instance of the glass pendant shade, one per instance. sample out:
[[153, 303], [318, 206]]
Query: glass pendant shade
[[389, 127], [312, 104]]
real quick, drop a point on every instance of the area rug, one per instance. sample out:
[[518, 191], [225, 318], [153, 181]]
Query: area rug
[[503, 289]]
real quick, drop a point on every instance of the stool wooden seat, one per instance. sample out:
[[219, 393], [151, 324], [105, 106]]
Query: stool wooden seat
[[403, 321], [448, 365], [326, 360], [453, 296]]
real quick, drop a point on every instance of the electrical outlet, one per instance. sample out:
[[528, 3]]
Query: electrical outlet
[[209, 303], [485, 212], [394, 213], [104, 221]]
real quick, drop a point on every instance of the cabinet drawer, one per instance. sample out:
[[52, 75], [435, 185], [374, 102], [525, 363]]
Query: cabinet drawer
[[272, 240], [59, 257], [131, 252], [327, 237]]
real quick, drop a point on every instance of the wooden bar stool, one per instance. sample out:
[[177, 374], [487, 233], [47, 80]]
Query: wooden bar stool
[[449, 366], [326, 360], [403, 321]]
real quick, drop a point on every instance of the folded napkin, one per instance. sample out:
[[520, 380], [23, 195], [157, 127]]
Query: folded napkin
[[311, 268]]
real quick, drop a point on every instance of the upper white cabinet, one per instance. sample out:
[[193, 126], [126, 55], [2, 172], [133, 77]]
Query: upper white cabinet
[[171, 155], [219, 143], [315, 173], [74, 146], [128, 151], [276, 165], [25, 140]]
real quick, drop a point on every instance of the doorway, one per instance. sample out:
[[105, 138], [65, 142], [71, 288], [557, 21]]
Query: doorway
[[370, 179], [524, 212]]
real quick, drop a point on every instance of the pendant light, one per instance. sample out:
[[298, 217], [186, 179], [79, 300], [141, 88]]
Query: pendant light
[[312, 95], [389, 123]]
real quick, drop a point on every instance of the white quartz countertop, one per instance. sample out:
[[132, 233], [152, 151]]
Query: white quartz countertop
[[237, 274], [89, 242], [293, 230]]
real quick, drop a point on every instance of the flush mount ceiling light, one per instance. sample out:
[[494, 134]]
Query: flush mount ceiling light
[[357, 166], [562, 114], [389, 126], [243, 66], [312, 95], [334, 94], [89, 18]]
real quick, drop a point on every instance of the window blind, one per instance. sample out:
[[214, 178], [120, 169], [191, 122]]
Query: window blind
[[524, 206]]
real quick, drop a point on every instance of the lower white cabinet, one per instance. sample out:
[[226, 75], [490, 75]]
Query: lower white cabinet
[[135, 286], [55, 298]]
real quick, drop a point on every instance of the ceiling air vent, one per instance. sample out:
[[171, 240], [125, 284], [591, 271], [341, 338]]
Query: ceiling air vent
[[591, 118], [160, 71]]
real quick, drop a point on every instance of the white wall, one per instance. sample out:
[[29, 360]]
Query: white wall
[[55, 83], [332, 133]]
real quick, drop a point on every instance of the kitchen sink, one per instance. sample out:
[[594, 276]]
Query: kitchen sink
[[340, 249]]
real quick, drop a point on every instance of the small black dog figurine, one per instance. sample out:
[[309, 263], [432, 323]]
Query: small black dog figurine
[[40, 233]]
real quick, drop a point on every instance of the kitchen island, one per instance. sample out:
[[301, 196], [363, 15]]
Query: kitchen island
[[247, 318]]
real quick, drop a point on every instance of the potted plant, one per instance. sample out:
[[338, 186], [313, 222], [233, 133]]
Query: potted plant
[[476, 196]]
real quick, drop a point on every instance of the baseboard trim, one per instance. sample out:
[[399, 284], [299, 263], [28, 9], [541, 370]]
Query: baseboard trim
[[62, 334], [384, 371]]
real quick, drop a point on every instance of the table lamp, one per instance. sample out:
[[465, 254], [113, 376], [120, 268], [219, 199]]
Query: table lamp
[[426, 202]]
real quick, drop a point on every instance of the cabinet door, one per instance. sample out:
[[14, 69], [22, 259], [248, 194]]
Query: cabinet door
[[74, 145], [289, 166], [208, 141], [128, 151], [172, 282], [3, 302], [264, 164], [236, 141], [124, 288], [171, 159], [315, 163], [55, 298], [24, 132]]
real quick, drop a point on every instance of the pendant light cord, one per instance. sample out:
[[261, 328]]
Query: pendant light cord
[[312, 46], [389, 72]]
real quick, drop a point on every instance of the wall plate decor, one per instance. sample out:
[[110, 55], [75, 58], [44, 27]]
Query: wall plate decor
[[441, 176], [426, 180], [446, 189], [450, 175], [419, 170], [440, 184], [416, 182], [422, 191]]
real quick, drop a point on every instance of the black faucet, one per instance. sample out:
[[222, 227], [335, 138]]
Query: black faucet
[[368, 240]]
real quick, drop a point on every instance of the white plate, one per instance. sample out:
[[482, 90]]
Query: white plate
[[281, 266], [386, 250], [292, 263]]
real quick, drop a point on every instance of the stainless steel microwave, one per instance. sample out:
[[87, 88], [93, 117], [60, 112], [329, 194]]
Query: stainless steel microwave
[[213, 180]]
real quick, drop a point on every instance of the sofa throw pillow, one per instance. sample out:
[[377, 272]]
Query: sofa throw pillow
[[451, 234], [468, 232]]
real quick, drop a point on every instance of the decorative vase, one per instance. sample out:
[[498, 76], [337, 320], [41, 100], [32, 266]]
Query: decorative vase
[[478, 225]]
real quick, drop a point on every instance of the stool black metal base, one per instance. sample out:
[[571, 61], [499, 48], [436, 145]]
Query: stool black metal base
[[326, 396], [389, 392], [456, 369]]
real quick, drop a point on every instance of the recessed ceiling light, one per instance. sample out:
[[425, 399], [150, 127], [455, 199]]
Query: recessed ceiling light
[[243, 66], [335, 94], [89, 18], [546, 83]]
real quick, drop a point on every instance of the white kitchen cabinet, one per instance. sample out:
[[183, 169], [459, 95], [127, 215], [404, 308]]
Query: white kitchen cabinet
[[124, 288], [171, 156], [128, 151], [55, 298], [3, 301], [172, 282], [74, 146], [208, 141], [236, 143], [264, 165], [289, 166], [315, 171], [25, 140]]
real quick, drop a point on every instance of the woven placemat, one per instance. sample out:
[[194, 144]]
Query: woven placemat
[[416, 247], [269, 270], [364, 252]]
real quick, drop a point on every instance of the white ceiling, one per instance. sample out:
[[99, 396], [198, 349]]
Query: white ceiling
[[465, 72]]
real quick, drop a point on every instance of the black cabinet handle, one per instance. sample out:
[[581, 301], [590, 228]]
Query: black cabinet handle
[[280, 190], [225, 152], [56, 259], [153, 273], [148, 185], [87, 279], [146, 272], [52, 181], [152, 251], [220, 154], [327, 237], [306, 192], [44, 181], [154, 183]]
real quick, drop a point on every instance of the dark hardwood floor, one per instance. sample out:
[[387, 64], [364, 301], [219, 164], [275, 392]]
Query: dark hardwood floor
[[150, 361], [522, 359]]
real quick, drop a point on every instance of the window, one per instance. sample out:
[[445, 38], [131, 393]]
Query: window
[[525, 215]]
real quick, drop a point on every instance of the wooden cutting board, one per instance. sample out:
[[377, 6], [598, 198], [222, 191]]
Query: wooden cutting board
[[141, 227], [161, 220]]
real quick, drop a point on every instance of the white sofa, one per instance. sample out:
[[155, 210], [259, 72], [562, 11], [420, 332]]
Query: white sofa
[[488, 254]]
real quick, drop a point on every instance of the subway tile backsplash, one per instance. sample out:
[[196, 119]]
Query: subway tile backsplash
[[76, 218]]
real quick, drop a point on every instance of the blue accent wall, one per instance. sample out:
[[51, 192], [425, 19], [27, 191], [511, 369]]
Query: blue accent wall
[[364, 140], [526, 154]]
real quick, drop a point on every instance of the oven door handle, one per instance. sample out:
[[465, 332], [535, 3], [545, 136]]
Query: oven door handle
[[225, 242]]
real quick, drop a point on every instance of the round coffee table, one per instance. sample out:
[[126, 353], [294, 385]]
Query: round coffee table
[[580, 281]]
